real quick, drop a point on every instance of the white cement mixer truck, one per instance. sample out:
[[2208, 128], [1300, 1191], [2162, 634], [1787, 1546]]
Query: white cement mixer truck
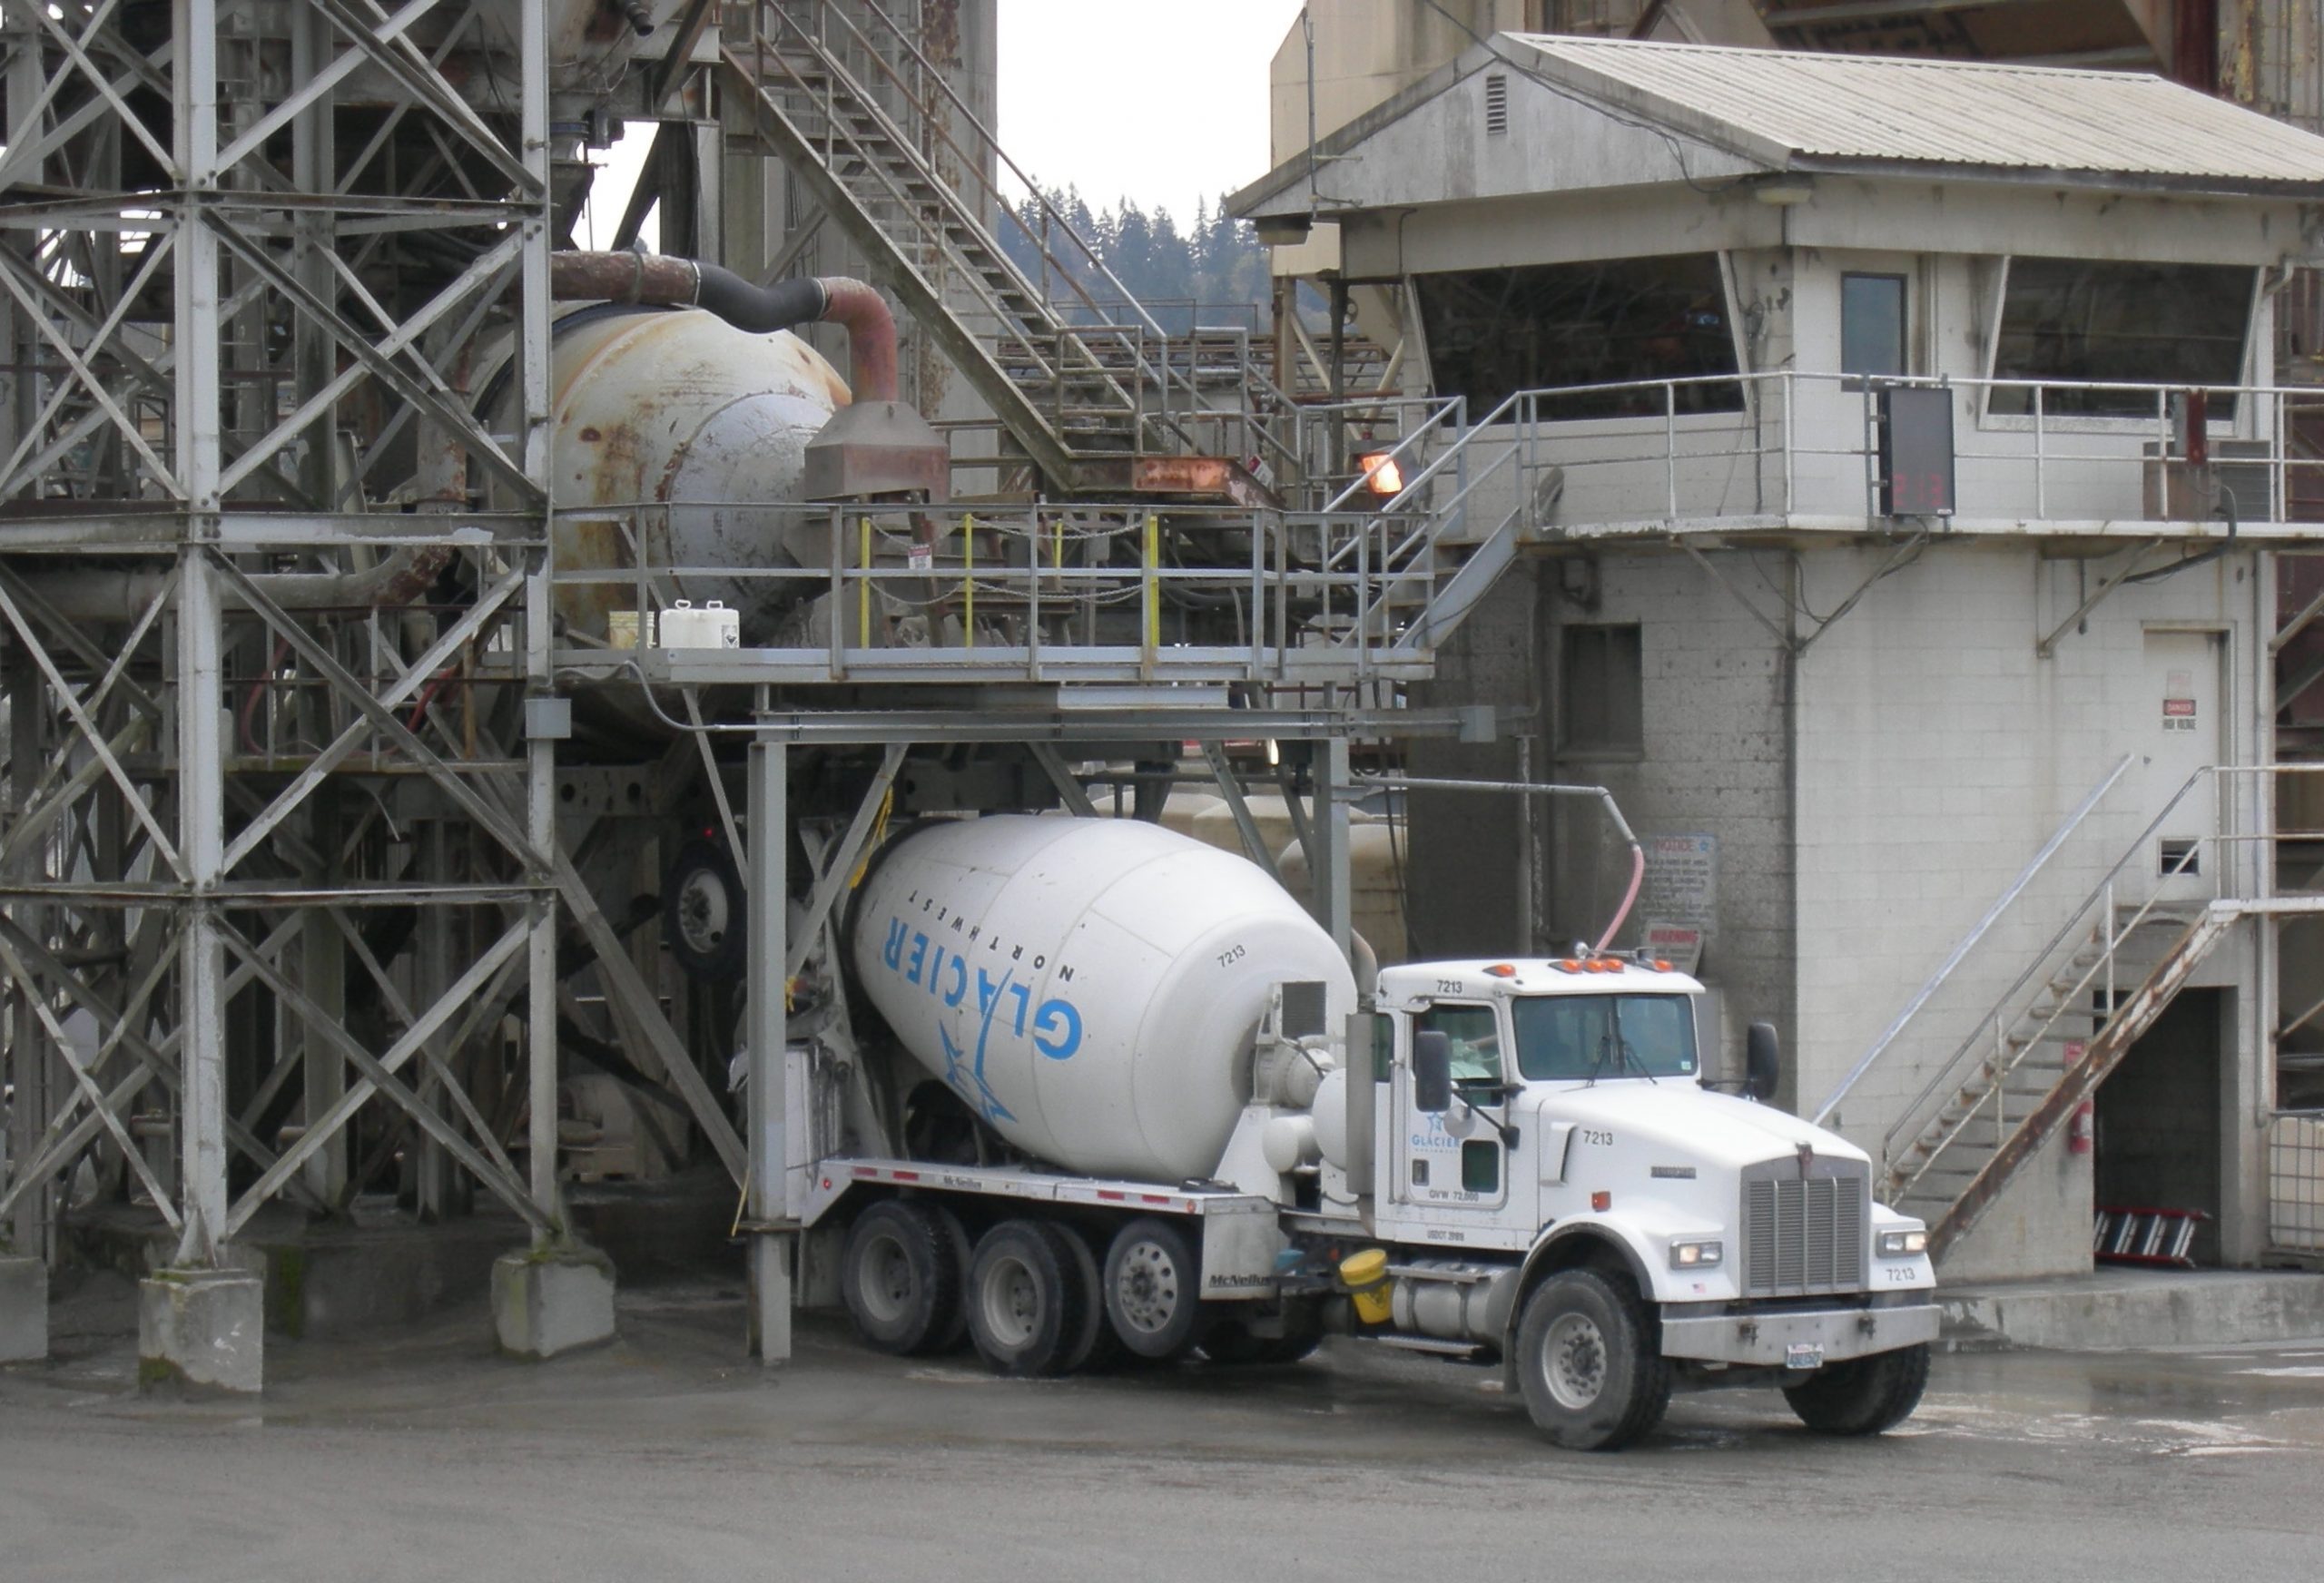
[[1079, 1088]]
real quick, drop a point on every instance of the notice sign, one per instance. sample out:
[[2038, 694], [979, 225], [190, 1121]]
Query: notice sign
[[2179, 701], [1681, 880], [1679, 944], [920, 557]]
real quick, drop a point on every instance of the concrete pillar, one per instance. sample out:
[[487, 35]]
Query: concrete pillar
[[552, 1301], [767, 1032], [24, 1310], [201, 1332]]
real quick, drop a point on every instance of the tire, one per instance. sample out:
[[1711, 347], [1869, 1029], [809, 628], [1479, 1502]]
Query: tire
[[901, 1275], [1588, 1362], [1026, 1301], [1229, 1341], [704, 912], [1154, 1289], [1097, 1348], [1863, 1396]]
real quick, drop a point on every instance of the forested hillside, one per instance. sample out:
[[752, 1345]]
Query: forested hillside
[[1215, 264]]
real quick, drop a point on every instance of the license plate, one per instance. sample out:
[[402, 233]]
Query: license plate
[[1803, 1355]]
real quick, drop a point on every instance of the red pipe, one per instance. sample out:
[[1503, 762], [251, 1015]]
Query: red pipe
[[871, 335]]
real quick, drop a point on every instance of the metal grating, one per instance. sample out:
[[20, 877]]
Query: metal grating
[[1804, 1235], [2296, 1184]]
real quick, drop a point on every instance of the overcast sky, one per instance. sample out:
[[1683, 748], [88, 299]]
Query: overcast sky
[[1165, 104]]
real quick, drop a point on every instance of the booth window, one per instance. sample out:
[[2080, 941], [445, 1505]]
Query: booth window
[[1872, 325], [2145, 324], [1617, 321]]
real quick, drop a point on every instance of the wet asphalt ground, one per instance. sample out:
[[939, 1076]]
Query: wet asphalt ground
[[666, 1456]]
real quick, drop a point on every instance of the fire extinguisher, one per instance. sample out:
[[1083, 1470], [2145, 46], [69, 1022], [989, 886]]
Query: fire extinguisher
[[2082, 1132]]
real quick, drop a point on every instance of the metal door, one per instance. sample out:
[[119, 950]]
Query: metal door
[[2179, 734]]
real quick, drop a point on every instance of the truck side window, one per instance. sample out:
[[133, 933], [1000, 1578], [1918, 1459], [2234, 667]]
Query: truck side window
[[1383, 1045], [1475, 1038]]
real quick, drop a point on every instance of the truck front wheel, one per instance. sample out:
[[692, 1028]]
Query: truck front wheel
[[901, 1277], [1593, 1378], [1862, 1396]]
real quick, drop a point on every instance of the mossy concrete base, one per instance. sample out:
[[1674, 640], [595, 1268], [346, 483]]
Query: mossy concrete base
[[24, 1310], [549, 1303], [201, 1332]]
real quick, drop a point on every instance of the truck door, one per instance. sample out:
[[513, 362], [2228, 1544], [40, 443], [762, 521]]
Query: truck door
[[1454, 1160]]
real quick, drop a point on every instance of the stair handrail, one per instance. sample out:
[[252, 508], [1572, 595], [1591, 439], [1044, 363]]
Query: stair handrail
[[1159, 370], [1069, 337], [1968, 943], [2099, 895]]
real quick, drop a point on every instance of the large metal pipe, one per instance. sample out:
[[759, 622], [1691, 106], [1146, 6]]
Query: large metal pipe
[[657, 279], [119, 595]]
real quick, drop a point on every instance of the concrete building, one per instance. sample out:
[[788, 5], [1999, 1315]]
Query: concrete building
[[1894, 488]]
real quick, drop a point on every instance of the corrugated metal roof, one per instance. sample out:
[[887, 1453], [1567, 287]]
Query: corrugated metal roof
[[1965, 112]]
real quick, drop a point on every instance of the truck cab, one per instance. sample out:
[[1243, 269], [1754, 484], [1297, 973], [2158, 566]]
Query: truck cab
[[1553, 1121]]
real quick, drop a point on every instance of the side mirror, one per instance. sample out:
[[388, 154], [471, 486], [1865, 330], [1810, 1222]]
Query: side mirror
[[1762, 1061], [1433, 1071]]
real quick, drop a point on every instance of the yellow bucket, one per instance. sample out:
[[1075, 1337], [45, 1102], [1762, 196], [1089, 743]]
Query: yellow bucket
[[1365, 1275]]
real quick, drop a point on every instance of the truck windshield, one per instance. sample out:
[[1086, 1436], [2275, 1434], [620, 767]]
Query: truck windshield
[[1564, 1037]]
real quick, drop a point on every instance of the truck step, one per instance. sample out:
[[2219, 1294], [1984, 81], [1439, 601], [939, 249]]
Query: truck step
[[1428, 1344]]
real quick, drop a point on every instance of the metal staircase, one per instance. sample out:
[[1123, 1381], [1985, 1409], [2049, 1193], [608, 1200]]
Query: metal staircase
[[2046, 1042], [1086, 390]]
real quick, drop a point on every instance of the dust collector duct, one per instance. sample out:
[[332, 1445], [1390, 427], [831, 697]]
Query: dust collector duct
[[656, 279]]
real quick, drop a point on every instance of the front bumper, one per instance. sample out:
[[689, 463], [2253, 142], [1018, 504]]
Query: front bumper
[[1767, 1337]]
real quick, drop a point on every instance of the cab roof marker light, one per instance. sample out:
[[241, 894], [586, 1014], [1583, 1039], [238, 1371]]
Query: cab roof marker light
[[1500, 970]]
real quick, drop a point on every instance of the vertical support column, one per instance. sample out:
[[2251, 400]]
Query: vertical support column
[[768, 1032], [23, 1056], [323, 956], [433, 1187], [202, 795], [1333, 879]]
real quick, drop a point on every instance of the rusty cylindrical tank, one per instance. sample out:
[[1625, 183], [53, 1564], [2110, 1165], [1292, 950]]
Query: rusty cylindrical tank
[[677, 427]]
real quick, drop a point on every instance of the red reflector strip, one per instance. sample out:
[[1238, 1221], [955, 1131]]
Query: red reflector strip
[[1111, 1196], [1154, 1198], [904, 1175]]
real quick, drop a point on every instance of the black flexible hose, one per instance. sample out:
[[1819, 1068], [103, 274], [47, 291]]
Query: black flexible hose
[[759, 310]]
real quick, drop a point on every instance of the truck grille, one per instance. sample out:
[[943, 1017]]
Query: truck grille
[[1804, 1235]]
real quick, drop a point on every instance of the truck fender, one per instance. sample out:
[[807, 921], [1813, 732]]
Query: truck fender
[[1566, 1245]]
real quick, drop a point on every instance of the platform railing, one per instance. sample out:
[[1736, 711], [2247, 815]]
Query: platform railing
[[1802, 450], [947, 594]]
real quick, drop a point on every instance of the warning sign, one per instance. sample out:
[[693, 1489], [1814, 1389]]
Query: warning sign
[[2179, 701], [1679, 944]]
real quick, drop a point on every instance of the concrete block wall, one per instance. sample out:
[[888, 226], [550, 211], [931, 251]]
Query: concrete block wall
[[1937, 752], [1713, 763]]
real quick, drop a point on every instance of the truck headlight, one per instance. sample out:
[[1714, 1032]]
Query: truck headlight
[[1694, 1255], [1903, 1245]]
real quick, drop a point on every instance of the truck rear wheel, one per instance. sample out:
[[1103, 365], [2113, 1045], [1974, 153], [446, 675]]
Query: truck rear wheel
[[1593, 1378], [1154, 1288], [1027, 1302], [1097, 1347], [901, 1275], [1862, 1396]]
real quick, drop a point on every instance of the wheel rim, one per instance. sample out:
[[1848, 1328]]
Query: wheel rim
[[886, 1284], [1148, 1287], [1573, 1361], [1011, 1301], [703, 913]]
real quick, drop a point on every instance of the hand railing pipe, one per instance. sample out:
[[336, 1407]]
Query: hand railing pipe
[[1968, 943], [2104, 889]]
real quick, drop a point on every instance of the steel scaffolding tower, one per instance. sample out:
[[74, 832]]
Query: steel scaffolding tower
[[226, 669]]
